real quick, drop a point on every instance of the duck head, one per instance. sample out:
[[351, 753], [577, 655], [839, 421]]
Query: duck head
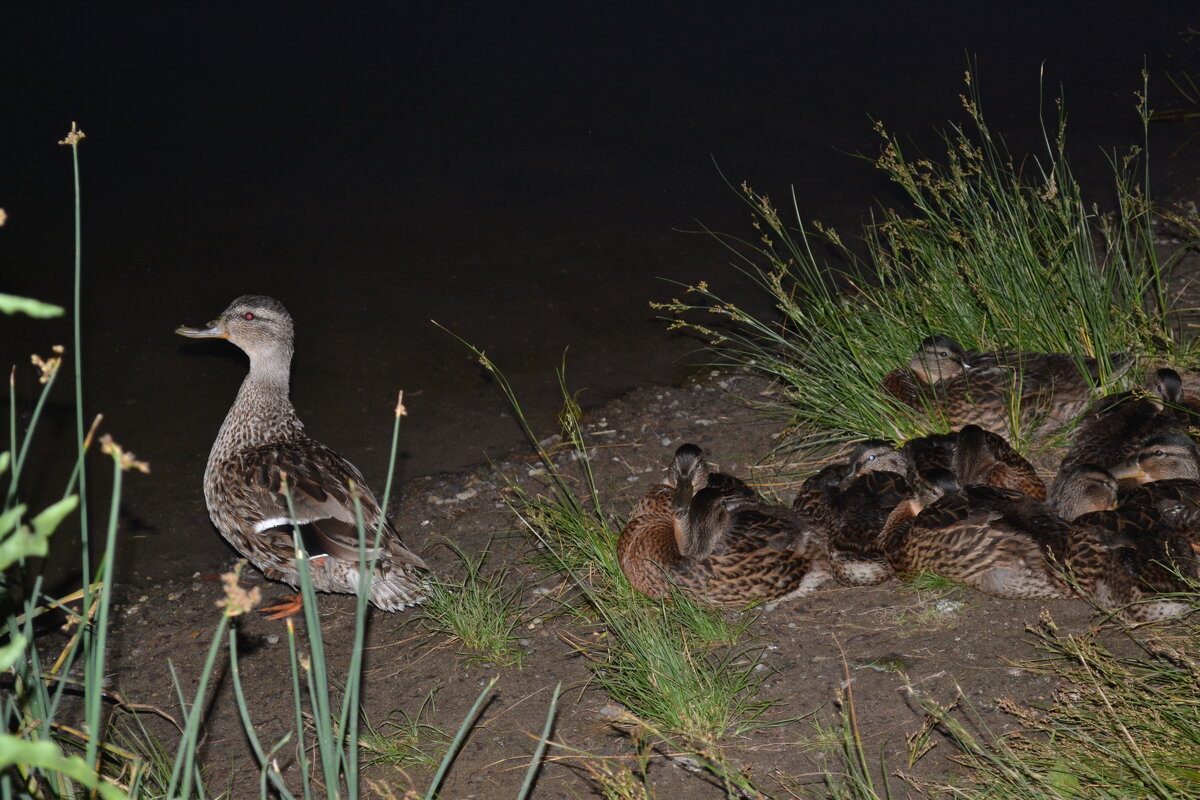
[[1085, 489], [939, 358], [258, 324], [1171, 456]]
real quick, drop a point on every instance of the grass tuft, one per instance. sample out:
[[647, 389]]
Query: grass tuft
[[478, 612]]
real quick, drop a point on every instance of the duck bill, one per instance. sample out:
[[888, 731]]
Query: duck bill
[[215, 330], [1129, 472], [683, 495]]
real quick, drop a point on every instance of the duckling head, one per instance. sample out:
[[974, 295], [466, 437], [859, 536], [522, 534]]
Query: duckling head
[[1171, 456], [939, 358], [688, 473], [1085, 489], [1167, 384], [875, 455]]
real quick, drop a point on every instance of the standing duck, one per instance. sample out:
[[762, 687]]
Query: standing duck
[[262, 454], [709, 535]]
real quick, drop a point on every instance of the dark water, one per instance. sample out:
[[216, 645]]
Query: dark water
[[520, 173]]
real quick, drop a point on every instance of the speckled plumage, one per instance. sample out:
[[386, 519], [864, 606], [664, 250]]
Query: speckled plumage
[[1049, 389], [975, 455], [710, 536], [854, 508], [1116, 428], [998, 541], [260, 442]]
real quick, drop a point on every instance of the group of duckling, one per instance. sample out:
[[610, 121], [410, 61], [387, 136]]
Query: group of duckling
[[1119, 524]]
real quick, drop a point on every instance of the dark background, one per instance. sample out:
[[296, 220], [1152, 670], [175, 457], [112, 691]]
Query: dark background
[[519, 172]]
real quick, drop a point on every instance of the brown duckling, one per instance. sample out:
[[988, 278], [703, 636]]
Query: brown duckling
[[709, 535], [854, 508], [1167, 456], [999, 541], [1045, 389], [1130, 558], [975, 455], [1117, 427]]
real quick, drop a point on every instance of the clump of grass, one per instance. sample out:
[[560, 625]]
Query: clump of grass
[[676, 667], [995, 253], [1122, 726], [405, 742], [654, 668], [478, 611]]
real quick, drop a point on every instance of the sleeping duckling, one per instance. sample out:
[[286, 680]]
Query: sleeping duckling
[[975, 455], [854, 508], [709, 535], [1046, 389], [1117, 427], [999, 541], [1130, 558]]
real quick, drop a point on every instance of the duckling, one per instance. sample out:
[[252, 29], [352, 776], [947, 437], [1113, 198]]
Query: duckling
[[1046, 389], [707, 534], [1167, 456], [1127, 557], [1116, 428], [999, 541], [265, 477], [854, 508], [975, 455]]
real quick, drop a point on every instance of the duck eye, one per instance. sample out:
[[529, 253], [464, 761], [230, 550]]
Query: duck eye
[[943, 354], [1159, 453], [249, 315], [871, 458]]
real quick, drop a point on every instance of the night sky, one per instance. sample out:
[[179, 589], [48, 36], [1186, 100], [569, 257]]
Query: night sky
[[519, 172]]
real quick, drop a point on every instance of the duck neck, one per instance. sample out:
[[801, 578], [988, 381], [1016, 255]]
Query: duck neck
[[895, 529], [262, 412]]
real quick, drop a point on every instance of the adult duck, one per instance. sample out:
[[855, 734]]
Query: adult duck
[[266, 477]]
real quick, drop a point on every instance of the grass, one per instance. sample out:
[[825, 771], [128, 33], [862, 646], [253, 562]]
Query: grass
[[991, 251], [479, 612], [1122, 725]]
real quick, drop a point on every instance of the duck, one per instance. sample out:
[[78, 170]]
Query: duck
[[976, 455], [852, 500], [708, 534], [266, 477], [999, 541], [1115, 429], [1131, 553], [994, 389]]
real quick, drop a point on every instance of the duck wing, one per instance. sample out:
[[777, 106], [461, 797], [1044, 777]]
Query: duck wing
[[322, 504]]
